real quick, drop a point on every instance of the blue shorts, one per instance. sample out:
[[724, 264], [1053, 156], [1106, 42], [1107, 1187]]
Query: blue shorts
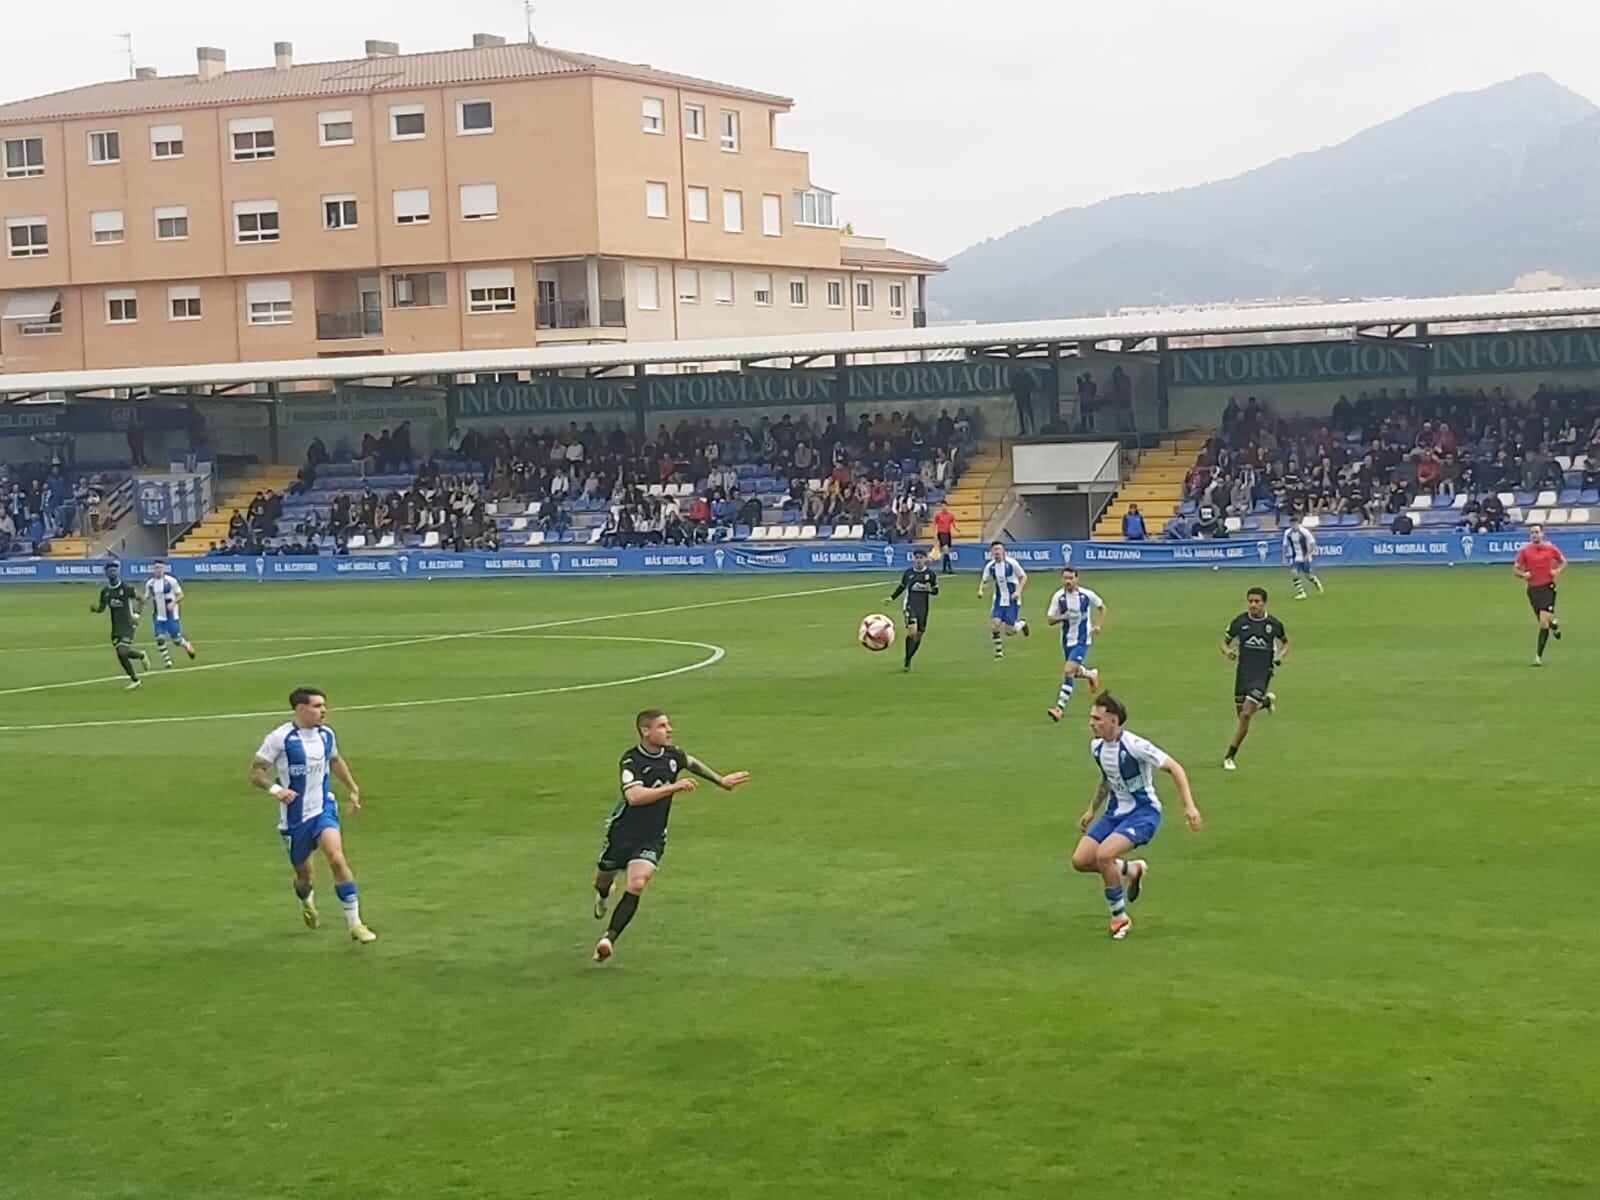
[[1006, 613], [167, 629], [1076, 652], [1138, 826], [302, 839]]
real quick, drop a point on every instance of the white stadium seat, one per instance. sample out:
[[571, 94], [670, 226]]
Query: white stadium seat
[[1536, 516], [1423, 500], [536, 538], [808, 533], [430, 540], [1515, 514], [790, 533], [1579, 516], [1311, 521], [358, 541], [856, 532], [1580, 462], [533, 508], [814, 484], [840, 532], [595, 534], [655, 489], [386, 542], [518, 525], [1461, 500], [1564, 461], [759, 534], [1558, 516], [1507, 499], [1233, 524], [1545, 499]]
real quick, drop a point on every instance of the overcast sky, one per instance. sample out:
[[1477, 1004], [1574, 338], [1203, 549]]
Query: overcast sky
[[939, 122]]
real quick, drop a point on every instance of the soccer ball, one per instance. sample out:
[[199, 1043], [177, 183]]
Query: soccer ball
[[876, 632]]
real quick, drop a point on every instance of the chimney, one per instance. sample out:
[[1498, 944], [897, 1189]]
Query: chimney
[[377, 49], [145, 73], [212, 62], [283, 55], [481, 40]]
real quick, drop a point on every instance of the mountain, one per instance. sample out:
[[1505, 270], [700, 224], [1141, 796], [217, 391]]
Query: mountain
[[1463, 194]]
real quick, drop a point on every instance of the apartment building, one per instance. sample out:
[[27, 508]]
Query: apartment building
[[502, 195]]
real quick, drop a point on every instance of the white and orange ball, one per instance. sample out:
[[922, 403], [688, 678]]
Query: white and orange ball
[[876, 632]]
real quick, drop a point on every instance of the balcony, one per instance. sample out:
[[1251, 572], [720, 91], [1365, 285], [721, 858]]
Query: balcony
[[342, 324], [574, 314]]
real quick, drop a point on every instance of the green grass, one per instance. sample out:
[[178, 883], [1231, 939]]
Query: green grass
[[869, 973]]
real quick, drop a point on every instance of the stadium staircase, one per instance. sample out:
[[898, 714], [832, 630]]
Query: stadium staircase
[[233, 494], [966, 498], [1156, 485]]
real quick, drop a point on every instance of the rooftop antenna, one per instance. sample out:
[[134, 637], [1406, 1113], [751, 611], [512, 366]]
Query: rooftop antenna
[[527, 19], [127, 44]]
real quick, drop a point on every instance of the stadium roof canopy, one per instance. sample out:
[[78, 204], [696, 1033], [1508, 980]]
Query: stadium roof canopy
[[1385, 317]]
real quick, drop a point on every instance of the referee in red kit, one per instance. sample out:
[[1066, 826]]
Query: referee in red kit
[[1539, 562]]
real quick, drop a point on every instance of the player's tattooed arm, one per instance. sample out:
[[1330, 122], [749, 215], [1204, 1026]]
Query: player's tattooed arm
[[726, 782], [261, 777], [1102, 790]]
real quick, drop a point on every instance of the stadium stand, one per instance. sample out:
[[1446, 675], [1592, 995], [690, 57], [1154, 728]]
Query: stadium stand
[[772, 481], [1480, 461], [54, 508]]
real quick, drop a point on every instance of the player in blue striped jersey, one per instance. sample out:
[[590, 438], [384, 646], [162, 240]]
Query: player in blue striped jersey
[[1005, 611], [164, 594], [1081, 614], [1132, 813], [1299, 548], [293, 766]]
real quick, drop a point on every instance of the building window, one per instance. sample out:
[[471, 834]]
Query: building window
[[491, 290], [166, 141], [897, 299], [835, 293], [27, 237], [106, 228], [255, 221], [183, 304], [336, 128], [122, 307], [252, 139], [338, 212], [699, 203], [863, 293], [39, 315], [653, 116], [733, 212], [479, 201], [647, 288], [411, 206], [730, 130], [814, 206], [474, 116], [407, 122], [797, 291], [772, 216], [105, 146], [269, 301], [722, 287], [24, 157], [694, 122], [688, 285], [764, 287], [655, 200], [172, 224], [418, 289]]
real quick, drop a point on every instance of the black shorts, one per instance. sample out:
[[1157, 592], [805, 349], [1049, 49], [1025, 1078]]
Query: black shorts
[[944, 540], [121, 639], [1251, 685], [917, 615], [1542, 598], [621, 849]]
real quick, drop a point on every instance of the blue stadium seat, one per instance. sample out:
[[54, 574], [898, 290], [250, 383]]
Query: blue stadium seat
[[1569, 496], [1589, 496]]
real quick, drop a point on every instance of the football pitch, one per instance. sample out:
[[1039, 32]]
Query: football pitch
[[870, 972]]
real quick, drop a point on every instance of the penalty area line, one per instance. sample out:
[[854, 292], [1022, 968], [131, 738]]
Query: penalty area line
[[714, 655]]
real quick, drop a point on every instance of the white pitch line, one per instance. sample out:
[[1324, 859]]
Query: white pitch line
[[442, 637], [300, 637], [715, 656]]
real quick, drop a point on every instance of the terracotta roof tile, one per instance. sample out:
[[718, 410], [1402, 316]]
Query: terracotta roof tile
[[870, 256], [349, 77]]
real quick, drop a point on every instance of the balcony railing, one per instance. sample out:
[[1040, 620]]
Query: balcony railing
[[349, 323], [574, 314]]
